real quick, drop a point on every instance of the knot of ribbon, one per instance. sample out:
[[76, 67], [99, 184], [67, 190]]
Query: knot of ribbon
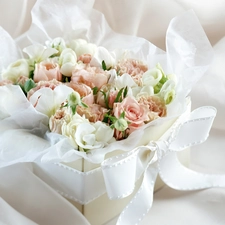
[[159, 158]]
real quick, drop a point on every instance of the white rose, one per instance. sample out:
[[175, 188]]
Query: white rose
[[92, 136], [38, 52], [47, 101], [146, 91], [67, 61], [152, 77], [167, 91], [69, 129], [15, 70], [102, 54], [172, 77], [81, 46], [124, 81], [57, 43]]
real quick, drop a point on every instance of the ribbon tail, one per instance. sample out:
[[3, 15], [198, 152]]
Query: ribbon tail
[[142, 201], [180, 177]]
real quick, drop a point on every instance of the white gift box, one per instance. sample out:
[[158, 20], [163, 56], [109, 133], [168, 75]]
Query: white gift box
[[82, 182]]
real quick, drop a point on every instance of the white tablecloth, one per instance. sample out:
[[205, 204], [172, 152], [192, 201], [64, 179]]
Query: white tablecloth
[[27, 200]]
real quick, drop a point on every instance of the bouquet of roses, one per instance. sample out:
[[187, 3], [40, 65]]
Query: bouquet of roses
[[91, 95]]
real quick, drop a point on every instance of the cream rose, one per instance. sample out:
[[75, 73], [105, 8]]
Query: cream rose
[[152, 77], [69, 129], [103, 54], [57, 43], [167, 91], [39, 53], [125, 80], [47, 70], [47, 100], [67, 61], [81, 47], [15, 70], [93, 136]]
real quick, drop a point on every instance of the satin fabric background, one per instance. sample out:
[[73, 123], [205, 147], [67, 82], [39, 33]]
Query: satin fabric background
[[25, 199]]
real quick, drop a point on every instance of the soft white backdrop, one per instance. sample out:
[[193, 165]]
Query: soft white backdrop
[[25, 199]]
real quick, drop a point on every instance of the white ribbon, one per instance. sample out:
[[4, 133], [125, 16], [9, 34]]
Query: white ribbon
[[159, 157], [71, 183]]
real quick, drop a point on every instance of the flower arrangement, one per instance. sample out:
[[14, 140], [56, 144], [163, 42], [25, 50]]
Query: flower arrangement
[[91, 95], [69, 101]]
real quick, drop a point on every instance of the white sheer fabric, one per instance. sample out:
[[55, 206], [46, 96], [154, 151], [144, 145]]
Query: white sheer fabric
[[27, 200]]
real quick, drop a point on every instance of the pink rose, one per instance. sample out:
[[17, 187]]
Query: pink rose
[[91, 76], [47, 70], [85, 92], [135, 113]]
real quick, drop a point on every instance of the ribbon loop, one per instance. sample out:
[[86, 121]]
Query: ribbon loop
[[195, 129], [121, 172], [119, 175], [181, 178]]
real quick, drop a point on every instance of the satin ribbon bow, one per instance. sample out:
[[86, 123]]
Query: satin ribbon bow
[[159, 158]]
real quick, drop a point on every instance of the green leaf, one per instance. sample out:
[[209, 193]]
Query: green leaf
[[65, 79], [105, 119], [122, 115], [104, 65], [73, 108], [106, 99], [83, 104], [119, 96], [95, 90], [29, 84], [125, 92], [112, 118], [31, 74]]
